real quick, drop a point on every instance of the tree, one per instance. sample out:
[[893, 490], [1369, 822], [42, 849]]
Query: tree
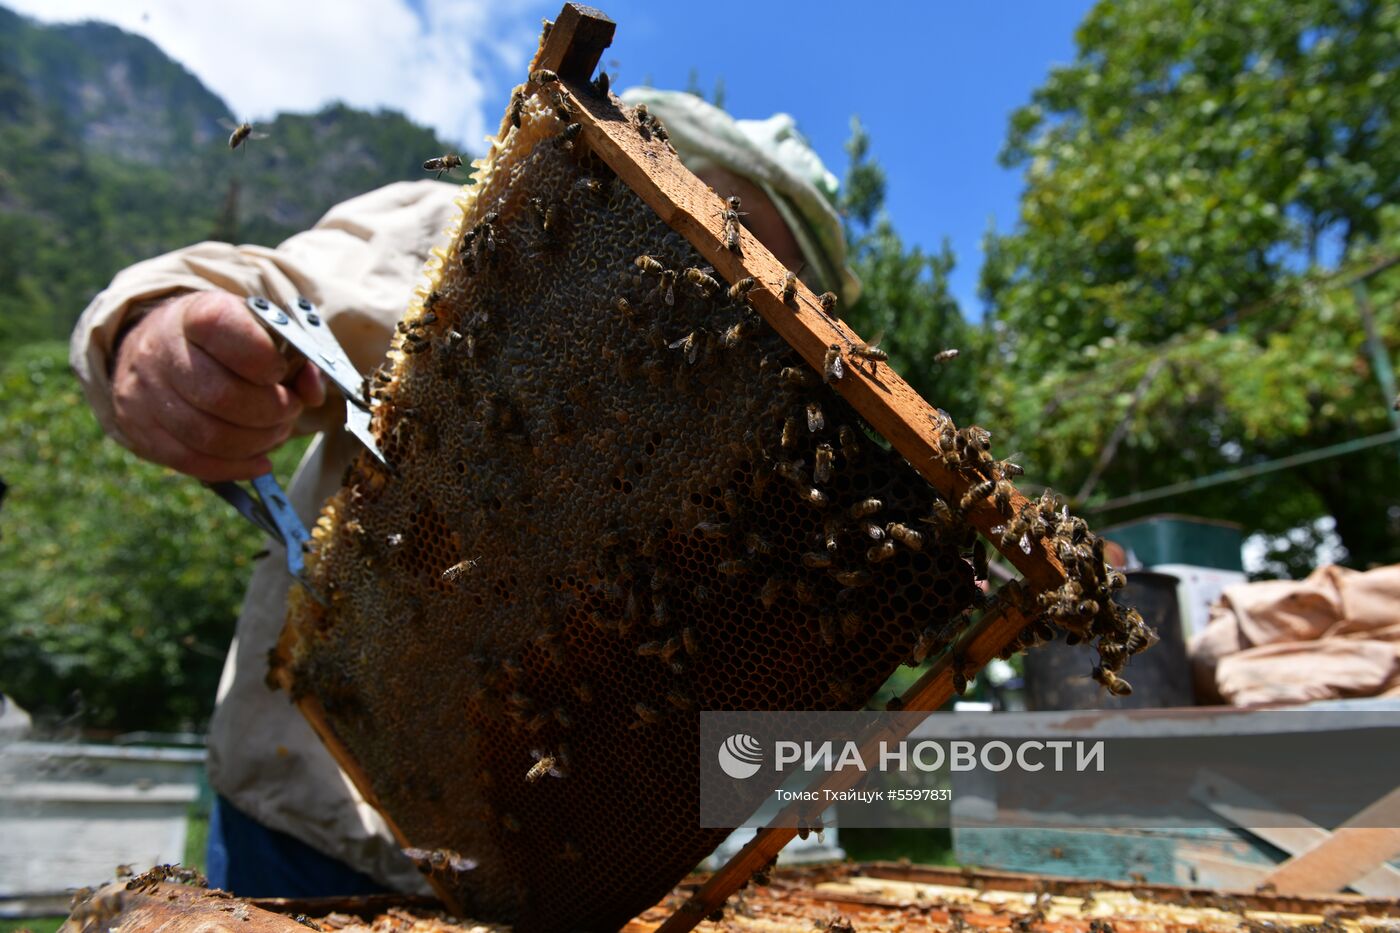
[[904, 292], [1203, 183]]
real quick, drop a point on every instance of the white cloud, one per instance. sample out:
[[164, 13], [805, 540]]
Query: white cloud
[[446, 63]]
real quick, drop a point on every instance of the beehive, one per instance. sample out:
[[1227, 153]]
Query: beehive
[[615, 498]]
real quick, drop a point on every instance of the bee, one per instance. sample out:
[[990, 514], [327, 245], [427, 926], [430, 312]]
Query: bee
[[797, 376], [569, 853], [625, 308], [905, 535], [1117, 580], [733, 568], [569, 134], [689, 345], [853, 577], [841, 691], [690, 639], [880, 552], [979, 560], [804, 592], [740, 289], [850, 445], [660, 615], [976, 494], [737, 332], [1001, 497], [601, 84], [1015, 530], [827, 626], [701, 281], [828, 302], [1112, 682], [870, 352], [680, 701], [646, 716], [945, 356], [872, 531], [979, 438], [815, 496], [649, 264], [542, 766], [755, 543], [789, 287], [1140, 639], [562, 110], [866, 507], [816, 560], [831, 530], [458, 570], [517, 107], [712, 529], [1008, 469], [825, 457], [815, 419], [832, 366], [543, 76], [772, 590], [959, 680], [788, 440], [731, 502], [731, 216], [584, 691], [394, 541], [442, 164], [241, 133], [667, 287], [1113, 655]]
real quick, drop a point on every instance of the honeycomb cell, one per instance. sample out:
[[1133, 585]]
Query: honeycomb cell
[[593, 528]]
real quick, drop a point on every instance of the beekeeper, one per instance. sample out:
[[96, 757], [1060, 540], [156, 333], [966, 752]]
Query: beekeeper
[[179, 371]]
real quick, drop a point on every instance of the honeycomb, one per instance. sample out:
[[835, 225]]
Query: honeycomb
[[614, 498]]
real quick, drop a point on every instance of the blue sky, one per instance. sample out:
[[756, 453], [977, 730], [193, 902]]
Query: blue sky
[[934, 82]]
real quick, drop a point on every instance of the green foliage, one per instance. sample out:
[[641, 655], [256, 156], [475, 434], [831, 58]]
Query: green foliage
[[119, 581], [904, 294], [1186, 176]]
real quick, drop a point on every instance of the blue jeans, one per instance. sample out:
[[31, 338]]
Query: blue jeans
[[251, 860]]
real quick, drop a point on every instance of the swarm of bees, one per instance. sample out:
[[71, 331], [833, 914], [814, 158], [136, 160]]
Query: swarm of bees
[[614, 497]]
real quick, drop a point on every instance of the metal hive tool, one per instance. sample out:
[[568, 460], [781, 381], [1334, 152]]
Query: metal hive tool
[[617, 494]]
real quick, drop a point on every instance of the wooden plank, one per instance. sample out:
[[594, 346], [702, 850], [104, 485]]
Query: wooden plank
[[1354, 854], [575, 42], [1260, 817]]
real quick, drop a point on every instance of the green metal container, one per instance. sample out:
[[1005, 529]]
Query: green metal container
[[1181, 539]]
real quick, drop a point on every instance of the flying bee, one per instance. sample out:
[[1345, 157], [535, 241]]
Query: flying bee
[[700, 280], [789, 287], [880, 552], [1112, 682], [905, 535], [800, 377], [1008, 469], [821, 468], [442, 164], [979, 560], [543, 76], [828, 302], [689, 345], [816, 560], [649, 264], [853, 578], [517, 107], [815, 419], [832, 367], [241, 133], [866, 507], [740, 289], [945, 356], [976, 494], [543, 765]]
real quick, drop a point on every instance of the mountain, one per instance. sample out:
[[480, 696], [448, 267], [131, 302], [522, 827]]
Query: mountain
[[111, 152]]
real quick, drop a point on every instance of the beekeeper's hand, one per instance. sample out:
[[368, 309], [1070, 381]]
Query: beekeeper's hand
[[199, 386]]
